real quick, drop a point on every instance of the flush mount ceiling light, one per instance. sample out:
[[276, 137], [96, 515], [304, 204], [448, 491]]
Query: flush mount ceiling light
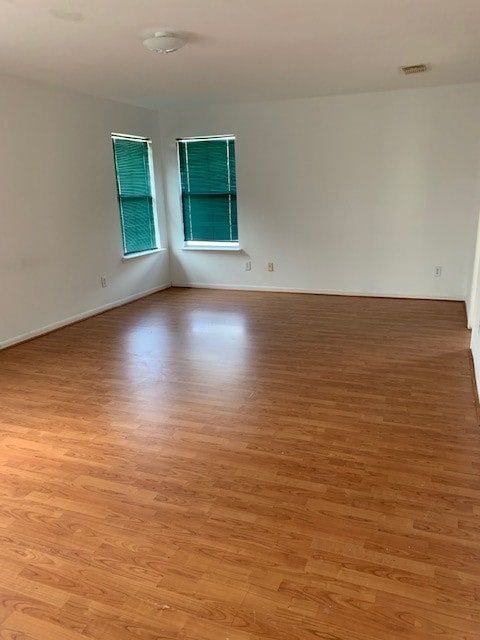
[[164, 42]]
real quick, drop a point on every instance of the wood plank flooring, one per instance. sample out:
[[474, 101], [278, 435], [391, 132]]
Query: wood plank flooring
[[211, 465]]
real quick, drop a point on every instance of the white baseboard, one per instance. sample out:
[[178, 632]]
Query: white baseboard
[[476, 370], [328, 292], [79, 316], [197, 285]]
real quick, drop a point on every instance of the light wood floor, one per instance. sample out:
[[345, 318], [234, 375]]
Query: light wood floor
[[235, 466]]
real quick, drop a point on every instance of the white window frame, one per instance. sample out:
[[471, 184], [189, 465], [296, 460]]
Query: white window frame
[[203, 245], [158, 248]]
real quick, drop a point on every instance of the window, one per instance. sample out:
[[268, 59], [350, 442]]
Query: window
[[133, 166], [209, 191]]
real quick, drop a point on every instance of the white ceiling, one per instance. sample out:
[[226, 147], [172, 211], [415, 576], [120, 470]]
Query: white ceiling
[[239, 50]]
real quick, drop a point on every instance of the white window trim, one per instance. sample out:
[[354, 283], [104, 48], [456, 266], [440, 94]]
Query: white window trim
[[158, 248], [140, 254], [227, 249], [198, 245]]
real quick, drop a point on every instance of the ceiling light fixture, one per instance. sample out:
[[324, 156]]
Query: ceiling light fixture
[[164, 42]]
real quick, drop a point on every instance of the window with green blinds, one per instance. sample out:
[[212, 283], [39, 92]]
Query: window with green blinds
[[209, 189], [135, 194]]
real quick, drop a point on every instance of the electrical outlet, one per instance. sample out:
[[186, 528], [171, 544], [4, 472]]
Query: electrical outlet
[[437, 272], [248, 265], [270, 266], [103, 281]]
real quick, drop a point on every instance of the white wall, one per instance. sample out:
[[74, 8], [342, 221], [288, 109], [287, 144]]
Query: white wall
[[60, 228], [473, 281], [352, 194], [473, 308]]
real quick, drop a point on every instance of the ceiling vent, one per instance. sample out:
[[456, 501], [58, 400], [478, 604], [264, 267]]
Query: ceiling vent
[[414, 68]]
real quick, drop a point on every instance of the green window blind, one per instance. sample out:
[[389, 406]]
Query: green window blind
[[209, 189], [135, 197]]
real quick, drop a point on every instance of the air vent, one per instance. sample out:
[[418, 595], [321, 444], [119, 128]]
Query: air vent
[[414, 68]]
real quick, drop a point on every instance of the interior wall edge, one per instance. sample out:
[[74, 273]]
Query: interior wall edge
[[476, 370]]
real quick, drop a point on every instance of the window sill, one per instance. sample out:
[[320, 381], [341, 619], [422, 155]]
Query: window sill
[[140, 254], [211, 247]]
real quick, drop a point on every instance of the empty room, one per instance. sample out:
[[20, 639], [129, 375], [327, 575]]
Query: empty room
[[239, 320]]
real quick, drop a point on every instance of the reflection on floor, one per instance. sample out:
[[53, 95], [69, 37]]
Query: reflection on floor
[[207, 465]]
